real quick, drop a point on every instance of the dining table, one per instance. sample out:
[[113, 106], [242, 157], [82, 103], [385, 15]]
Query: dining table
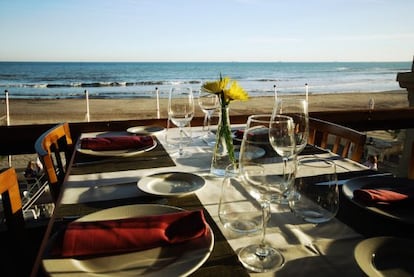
[[97, 184]]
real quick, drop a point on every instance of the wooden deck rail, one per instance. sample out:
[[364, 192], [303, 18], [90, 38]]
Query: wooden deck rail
[[20, 139]]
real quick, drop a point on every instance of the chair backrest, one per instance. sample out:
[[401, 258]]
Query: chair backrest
[[10, 196], [344, 141], [54, 148]]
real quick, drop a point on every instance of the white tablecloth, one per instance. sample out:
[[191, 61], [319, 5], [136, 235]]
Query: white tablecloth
[[333, 242]]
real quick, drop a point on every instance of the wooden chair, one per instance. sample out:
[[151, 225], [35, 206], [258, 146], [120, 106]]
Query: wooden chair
[[344, 141], [21, 240], [54, 148], [12, 201]]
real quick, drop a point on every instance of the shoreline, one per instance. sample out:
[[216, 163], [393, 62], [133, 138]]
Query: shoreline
[[37, 111]]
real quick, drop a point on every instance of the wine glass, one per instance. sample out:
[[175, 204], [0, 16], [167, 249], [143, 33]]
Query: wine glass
[[256, 148], [316, 197], [208, 103], [297, 109], [259, 257], [282, 139], [263, 177], [181, 111]]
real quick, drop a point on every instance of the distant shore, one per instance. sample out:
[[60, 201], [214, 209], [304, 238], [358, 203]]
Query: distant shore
[[26, 111]]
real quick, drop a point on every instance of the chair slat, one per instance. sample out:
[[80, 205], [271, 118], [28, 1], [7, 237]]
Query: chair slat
[[339, 139]]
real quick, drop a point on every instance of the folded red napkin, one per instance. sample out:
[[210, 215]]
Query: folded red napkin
[[131, 234], [117, 143], [388, 195]]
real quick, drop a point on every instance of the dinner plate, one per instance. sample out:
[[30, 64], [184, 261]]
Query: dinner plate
[[174, 260], [401, 213], [171, 183], [146, 130], [117, 153], [386, 256]]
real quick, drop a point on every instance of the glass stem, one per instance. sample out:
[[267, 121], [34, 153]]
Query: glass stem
[[285, 178], [205, 124], [261, 251], [208, 122], [180, 145]]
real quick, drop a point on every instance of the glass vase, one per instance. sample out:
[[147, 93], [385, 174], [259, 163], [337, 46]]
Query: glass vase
[[223, 152]]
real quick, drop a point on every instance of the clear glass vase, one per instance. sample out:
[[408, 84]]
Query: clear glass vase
[[223, 152]]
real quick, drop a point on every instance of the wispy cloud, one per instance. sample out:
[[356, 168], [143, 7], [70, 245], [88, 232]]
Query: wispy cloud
[[371, 37]]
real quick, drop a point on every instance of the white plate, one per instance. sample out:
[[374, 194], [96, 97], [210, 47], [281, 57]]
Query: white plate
[[171, 183], [176, 260], [117, 153], [386, 256], [146, 130], [403, 213]]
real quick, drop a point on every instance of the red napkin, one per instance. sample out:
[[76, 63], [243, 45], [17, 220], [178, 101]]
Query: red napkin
[[131, 234], [372, 196], [239, 134], [117, 143]]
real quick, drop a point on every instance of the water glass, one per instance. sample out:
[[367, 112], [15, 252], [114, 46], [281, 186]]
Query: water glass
[[316, 194], [238, 211], [172, 136], [208, 102], [181, 112], [297, 109]]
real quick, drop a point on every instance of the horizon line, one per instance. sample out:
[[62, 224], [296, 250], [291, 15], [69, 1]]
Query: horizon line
[[202, 61]]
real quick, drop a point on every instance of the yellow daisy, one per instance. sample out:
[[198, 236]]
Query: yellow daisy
[[216, 86], [235, 92]]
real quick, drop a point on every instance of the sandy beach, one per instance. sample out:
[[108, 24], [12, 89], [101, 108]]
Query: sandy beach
[[74, 110]]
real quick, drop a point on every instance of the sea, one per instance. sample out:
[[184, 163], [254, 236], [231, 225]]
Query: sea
[[63, 80]]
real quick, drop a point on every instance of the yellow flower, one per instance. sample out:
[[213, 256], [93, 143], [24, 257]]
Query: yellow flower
[[216, 86], [235, 92], [220, 87]]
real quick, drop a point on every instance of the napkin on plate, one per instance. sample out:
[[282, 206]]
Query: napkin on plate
[[384, 195], [130, 234], [117, 143]]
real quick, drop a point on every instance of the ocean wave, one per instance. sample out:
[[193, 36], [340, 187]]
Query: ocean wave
[[99, 84], [267, 80]]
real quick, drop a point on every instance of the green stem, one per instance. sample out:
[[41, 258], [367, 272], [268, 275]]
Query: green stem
[[225, 131]]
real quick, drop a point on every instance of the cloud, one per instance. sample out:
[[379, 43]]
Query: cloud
[[371, 37]]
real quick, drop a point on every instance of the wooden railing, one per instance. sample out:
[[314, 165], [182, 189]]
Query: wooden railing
[[20, 139]]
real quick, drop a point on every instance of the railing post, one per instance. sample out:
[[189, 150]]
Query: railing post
[[7, 108], [6, 92], [307, 93], [87, 106], [158, 103]]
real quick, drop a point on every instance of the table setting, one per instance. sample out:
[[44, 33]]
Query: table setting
[[134, 203]]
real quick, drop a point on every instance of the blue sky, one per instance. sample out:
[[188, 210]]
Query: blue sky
[[211, 30]]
